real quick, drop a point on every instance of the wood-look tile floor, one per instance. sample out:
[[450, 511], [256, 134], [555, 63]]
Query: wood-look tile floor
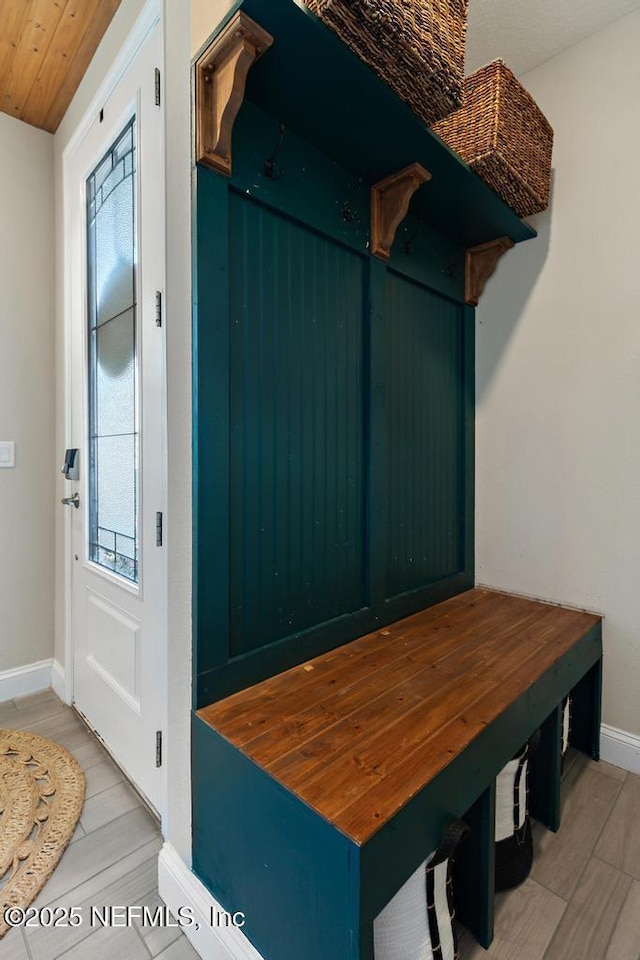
[[582, 899], [111, 861]]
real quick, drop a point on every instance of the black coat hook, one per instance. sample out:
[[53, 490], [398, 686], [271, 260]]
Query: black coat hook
[[409, 243], [454, 268], [349, 215], [270, 168]]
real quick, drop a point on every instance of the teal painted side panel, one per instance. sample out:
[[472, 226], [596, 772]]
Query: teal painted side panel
[[210, 422], [546, 772], [296, 427], [474, 874], [469, 440], [262, 851], [587, 713], [426, 455]]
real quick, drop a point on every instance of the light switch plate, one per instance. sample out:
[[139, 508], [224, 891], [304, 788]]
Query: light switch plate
[[7, 454]]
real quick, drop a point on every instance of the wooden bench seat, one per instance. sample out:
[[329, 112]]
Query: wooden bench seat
[[387, 738]]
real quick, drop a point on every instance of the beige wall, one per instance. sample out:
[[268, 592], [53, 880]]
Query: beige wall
[[26, 393], [205, 17], [558, 374]]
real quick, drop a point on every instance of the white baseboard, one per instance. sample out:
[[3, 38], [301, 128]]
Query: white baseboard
[[620, 748], [58, 680], [21, 681], [179, 887]]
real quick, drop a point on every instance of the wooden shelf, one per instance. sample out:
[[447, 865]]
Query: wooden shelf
[[315, 86]]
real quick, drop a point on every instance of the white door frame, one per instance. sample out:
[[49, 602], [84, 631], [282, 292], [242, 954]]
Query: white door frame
[[149, 17]]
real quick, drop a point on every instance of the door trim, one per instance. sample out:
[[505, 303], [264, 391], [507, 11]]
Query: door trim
[[148, 19]]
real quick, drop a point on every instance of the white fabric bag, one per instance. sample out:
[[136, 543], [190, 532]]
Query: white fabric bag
[[514, 841], [417, 923], [566, 724]]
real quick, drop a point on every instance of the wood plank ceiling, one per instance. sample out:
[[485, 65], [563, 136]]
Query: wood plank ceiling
[[45, 49]]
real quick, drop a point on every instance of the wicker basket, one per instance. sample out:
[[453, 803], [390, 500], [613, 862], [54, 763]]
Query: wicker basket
[[501, 133], [415, 46]]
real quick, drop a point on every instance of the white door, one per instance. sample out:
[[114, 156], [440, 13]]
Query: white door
[[115, 270]]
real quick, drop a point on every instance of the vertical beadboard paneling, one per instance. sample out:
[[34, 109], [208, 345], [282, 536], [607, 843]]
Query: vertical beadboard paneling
[[296, 445], [425, 439]]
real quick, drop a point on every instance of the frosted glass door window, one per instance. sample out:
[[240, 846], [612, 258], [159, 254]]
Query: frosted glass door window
[[113, 359]]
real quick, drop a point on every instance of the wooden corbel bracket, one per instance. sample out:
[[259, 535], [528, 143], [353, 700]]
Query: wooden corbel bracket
[[390, 199], [480, 264], [221, 77]]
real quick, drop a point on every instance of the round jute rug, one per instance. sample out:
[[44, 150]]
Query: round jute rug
[[41, 797]]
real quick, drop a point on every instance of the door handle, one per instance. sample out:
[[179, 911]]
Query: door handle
[[73, 501]]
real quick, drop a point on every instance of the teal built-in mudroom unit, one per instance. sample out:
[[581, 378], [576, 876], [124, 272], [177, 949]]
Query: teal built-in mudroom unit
[[339, 251]]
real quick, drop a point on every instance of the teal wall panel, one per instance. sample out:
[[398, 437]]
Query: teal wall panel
[[296, 427], [333, 413], [425, 449]]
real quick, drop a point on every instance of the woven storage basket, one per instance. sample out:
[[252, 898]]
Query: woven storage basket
[[514, 842], [501, 132], [415, 46], [404, 929]]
